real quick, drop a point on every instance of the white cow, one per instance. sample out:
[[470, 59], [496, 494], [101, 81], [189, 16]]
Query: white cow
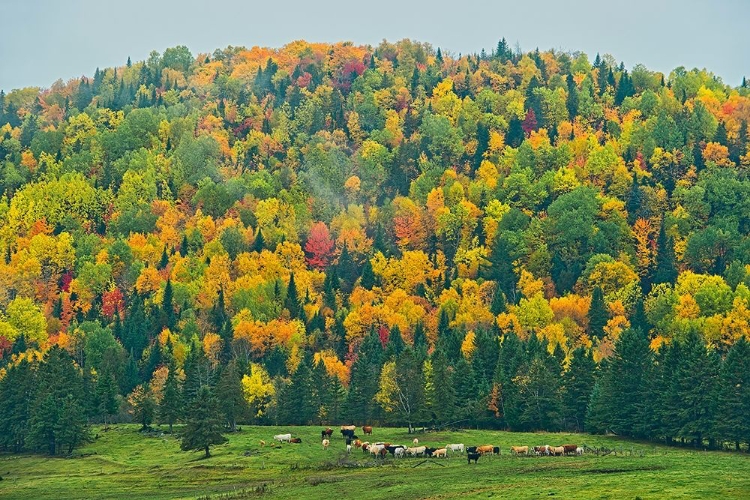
[[459, 447], [416, 451], [348, 448], [399, 452], [579, 451], [283, 438], [326, 443]]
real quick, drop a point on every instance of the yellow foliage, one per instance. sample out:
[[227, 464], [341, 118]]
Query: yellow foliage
[[258, 390], [334, 366], [468, 346], [529, 285]]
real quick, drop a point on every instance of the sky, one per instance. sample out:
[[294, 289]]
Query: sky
[[47, 40]]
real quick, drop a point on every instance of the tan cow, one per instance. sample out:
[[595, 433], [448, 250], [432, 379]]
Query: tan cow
[[557, 451], [326, 442], [442, 452], [519, 450], [486, 449]]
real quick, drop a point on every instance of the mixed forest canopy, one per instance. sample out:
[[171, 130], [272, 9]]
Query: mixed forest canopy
[[326, 233]]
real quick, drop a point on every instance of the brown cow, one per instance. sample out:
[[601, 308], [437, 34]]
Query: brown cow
[[296, 440], [367, 429], [519, 450], [569, 449], [357, 443], [486, 449], [542, 450]]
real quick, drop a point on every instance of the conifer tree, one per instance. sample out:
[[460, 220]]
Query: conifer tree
[[733, 414], [598, 315], [577, 385], [291, 303], [665, 270], [170, 408], [230, 397], [203, 423]]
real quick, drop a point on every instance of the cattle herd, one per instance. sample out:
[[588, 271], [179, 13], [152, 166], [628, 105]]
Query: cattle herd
[[382, 449]]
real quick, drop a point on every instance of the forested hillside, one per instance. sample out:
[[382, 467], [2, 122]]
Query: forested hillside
[[334, 233]]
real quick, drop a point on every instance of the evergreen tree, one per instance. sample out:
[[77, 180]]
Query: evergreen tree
[[203, 423], [395, 343], [170, 408], [169, 319], [598, 315], [296, 399], [577, 385], [367, 280], [498, 302], [571, 101], [499, 266], [464, 384], [17, 391], [184, 246], [106, 395], [697, 378], [733, 415], [164, 260], [443, 397], [291, 303], [260, 243], [230, 396], [143, 406], [665, 270]]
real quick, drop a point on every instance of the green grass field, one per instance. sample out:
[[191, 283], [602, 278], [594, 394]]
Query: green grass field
[[123, 463]]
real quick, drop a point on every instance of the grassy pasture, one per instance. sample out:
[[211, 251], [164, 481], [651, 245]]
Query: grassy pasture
[[123, 463]]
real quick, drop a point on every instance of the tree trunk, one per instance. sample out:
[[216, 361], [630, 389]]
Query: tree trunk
[[207, 454], [170, 428]]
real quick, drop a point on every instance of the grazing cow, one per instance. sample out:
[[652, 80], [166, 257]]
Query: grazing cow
[[367, 429], [557, 451], [392, 449], [347, 433], [375, 449], [541, 450], [283, 438], [486, 449], [348, 427], [296, 440], [459, 448], [415, 451], [429, 451], [441, 453], [570, 448], [262, 443], [496, 450], [357, 443], [473, 456], [400, 452], [348, 448], [416, 442], [471, 449], [326, 443], [365, 447], [326, 433], [519, 450], [579, 451]]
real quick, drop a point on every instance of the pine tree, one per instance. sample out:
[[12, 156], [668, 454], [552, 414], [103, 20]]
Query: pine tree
[[733, 415], [395, 343], [184, 246], [230, 396], [665, 270], [17, 391], [465, 386], [106, 395], [697, 377], [598, 315], [260, 243], [367, 280], [443, 397], [291, 303], [577, 385], [170, 408], [296, 399], [164, 260], [169, 319], [203, 423], [143, 406], [499, 267], [498, 302]]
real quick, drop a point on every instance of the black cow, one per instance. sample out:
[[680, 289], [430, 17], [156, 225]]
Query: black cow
[[473, 456], [496, 450], [392, 449], [347, 433], [429, 451], [471, 449]]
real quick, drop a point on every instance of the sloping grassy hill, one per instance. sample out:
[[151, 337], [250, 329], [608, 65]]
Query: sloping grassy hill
[[125, 463]]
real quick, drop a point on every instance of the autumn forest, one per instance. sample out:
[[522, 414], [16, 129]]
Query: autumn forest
[[391, 235]]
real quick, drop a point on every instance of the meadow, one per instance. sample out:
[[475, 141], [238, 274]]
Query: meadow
[[122, 462]]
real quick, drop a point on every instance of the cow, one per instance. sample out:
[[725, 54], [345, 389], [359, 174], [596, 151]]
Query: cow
[[365, 446], [347, 433], [326, 443], [374, 449], [570, 448], [441, 453], [415, 441], [471, 449], [557, 451], [283, 438], [296, 440], [400, 452], [326, 433], [496, 450], [541, 450], [348, 427], [415, 451], [429, 451], [367, 429], [579, 451], [383, 453], [486, 449], [519, 450], [262, 443], [357, 443], [473, 456], [392, 449], [458, 448], [348, 448]]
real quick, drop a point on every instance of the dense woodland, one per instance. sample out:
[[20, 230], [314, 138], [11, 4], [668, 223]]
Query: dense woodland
[[388, 235]]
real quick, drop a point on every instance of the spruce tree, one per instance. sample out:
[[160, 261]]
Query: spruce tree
[[203, 423], [395, 343], [291, 302], [170, 408], [597, 315], [230, 396], [733, 415], [577, 385], [443, 397], [665, 270], [143, 406], [367, 280], [697, 377], [296, 398]]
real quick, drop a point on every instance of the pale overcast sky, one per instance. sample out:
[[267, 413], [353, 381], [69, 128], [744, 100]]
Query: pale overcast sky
[[43, 40]]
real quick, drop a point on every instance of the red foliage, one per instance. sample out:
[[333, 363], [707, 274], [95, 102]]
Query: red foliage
[[529, 123], [5, 346], [384, 334], [112, 302], [65, 281], [319, 246]]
